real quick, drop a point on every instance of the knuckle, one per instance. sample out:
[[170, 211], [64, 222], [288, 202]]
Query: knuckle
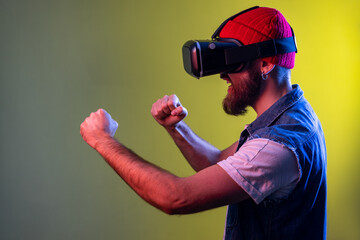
[[156, 113], [174, 97], [164, 105]]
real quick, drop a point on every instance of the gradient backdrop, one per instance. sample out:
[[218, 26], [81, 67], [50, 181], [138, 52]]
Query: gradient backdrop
[[60, 60]]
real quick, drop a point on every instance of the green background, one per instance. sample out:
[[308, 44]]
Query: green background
[[61, 60]]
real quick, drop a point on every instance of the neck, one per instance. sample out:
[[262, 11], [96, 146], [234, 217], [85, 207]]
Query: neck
[[272, 90]]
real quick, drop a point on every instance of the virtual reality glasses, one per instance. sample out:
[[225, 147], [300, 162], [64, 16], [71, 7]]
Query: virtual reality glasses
[[224, 55]]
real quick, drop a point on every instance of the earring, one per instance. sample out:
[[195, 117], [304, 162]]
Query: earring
[[264, 76]]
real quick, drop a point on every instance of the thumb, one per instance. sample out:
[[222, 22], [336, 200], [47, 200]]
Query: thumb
[[179, 111]]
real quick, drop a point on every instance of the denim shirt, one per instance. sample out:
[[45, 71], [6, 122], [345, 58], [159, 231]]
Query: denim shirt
[[302, 215]]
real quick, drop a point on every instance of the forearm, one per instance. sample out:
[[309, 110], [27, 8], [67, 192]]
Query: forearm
[[169, 113], [199, 153], [155, 185], [207, 189]]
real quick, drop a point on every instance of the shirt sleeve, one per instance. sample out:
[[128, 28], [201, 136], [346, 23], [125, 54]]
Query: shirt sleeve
[[263, 168]]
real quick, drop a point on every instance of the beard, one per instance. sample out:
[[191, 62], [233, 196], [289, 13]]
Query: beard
[[243, 94]]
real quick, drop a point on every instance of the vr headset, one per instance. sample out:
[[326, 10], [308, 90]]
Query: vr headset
[[225, 55]]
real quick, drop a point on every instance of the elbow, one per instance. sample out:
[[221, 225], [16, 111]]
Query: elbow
[[177, 201], [175, 205], [176, 211], [169, 211]]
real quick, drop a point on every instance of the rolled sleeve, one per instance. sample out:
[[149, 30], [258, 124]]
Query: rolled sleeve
[[262, 168]]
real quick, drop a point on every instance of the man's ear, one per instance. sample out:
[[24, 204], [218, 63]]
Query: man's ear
[[267, 67]]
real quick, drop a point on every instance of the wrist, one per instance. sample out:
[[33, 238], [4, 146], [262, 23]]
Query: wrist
[[178, 131], [103, 139], [175, 127]]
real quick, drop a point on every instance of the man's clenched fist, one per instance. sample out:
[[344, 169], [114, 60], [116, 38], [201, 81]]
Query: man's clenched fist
[[168, 111], [96, 126]]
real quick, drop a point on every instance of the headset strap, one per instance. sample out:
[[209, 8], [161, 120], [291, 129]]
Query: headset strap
[[260, 50]]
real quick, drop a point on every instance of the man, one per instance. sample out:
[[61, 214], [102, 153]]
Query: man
[[273, 178]]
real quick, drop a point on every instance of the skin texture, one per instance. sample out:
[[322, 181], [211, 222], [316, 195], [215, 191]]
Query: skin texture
[[210, 186]]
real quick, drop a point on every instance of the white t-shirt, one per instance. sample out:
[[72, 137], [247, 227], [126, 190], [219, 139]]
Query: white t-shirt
[[264, 169]]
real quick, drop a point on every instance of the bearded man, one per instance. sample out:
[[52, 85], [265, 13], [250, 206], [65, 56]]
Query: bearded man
[[273, 179]]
